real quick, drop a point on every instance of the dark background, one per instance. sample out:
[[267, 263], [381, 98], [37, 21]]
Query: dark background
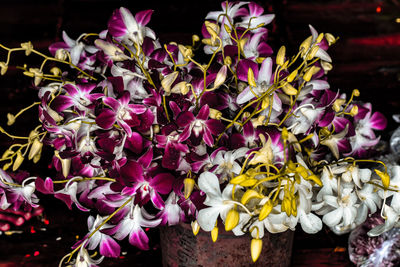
[[366, 57]]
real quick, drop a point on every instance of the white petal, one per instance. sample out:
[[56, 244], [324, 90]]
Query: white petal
[[265, 71], [310, 223], [333, 218], [207, 218], [129, 20], [209, 184]]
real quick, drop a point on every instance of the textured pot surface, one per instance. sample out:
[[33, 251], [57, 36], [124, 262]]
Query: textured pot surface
[[180, 248]]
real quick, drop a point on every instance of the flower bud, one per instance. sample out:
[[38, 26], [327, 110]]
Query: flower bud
[[305, 45], [289, 89], [180, 88], [255, 248], [195, 227], [61, 54], [215, 114], [3, 68], [249, 194], [214, 234], [330, 38], [232, 219], [250, 78], [168, 80], [18, 161], [312, 52], [7, 153], [280, 58], [338, 104], [35, 148], [10, 119], [188, 187], [28, 48], [227, 28], [310, 72], [185, 51], [354, 110], [195, 38], [7, 165], [356, 92], [265, 103], [291, 76], [55, 71], [384, 177], [265, 210], [319, 38], [227, 60], [221, 77], [111, 50]]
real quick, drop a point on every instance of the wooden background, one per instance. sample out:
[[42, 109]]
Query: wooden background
[[367, 57]]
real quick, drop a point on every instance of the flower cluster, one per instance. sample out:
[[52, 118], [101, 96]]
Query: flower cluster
[[146, 135]]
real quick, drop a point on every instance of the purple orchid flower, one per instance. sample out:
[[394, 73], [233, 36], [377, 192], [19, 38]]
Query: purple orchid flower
[[129, 29], [132, 224], [121, 112], [255, 18], [76, 48], [139, 179], [199, 126], [78, 96]]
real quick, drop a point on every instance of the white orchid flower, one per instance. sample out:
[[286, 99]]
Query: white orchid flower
[[219, 203], [226, 162], [341, 218]]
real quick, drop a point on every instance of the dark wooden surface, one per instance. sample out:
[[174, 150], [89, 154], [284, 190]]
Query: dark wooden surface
[[367, 57]]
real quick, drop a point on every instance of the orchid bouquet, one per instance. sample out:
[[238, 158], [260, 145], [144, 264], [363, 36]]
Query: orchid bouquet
[[145, 135]]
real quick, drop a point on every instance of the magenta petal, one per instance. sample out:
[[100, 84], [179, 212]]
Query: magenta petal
[[45, 187], [143, 17], [215, 126], [106, 119], [70, 89], [185, 118], [138, 109], [112, 102], [243, 69], [203, 113], [61, 103], [116, 26], [162, 183], [378, 121], [255, 9], [109, 247], [170, 158], [139, 239], [208, 139], [185, 134], [264, 50], [132, 172], [135, 143], [175, 108], [126, 127], [157, 201], [146, 159]]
